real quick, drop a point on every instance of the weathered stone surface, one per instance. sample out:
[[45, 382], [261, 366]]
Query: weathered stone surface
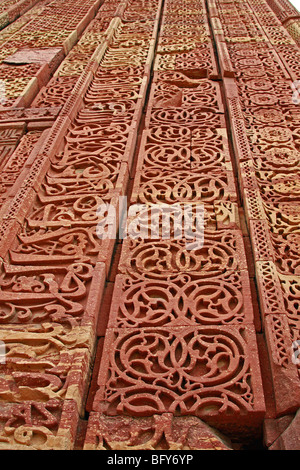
[[34, 425], [159, 432], [283, 433], [30, 56]]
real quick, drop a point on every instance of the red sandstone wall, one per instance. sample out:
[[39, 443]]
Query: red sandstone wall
[[140, 343]]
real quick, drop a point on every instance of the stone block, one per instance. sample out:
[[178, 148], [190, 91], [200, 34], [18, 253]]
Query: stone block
[[210, 372]]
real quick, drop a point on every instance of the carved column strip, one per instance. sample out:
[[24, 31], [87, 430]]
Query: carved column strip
[[259, 63], [55, 263]]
